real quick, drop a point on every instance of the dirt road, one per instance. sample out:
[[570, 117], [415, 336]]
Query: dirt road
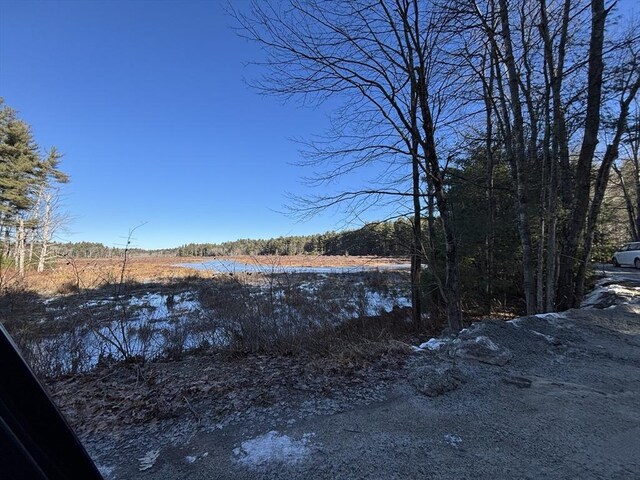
[[550, 396]]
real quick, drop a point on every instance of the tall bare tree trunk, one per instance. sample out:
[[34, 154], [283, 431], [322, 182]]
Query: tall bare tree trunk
[[635, 159], [416, 250], [518, 160], [46, 232], [566, 281], [491, 199], [20, 247]]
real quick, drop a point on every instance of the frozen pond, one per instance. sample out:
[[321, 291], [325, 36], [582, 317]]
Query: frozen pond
[[234, 266]]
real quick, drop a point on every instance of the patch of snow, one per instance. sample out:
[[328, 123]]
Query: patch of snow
[[550, 315], [96, 303], [148, 460], [621, 292], [594, 297], [163, 306], [272, 447], [309, 287], [516, 321], [471, 328], [548, 338], [434, 344], [195, 458], [453, 440], [378, 303]]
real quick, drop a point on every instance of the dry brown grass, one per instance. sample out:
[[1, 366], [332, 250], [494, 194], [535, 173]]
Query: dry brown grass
[[69, 275]]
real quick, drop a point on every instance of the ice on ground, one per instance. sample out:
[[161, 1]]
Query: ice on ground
[[434, 344], [273, 447], [164, 305], [453, 440]]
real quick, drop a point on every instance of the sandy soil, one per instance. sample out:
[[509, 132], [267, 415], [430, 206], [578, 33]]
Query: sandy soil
[[552, 396]]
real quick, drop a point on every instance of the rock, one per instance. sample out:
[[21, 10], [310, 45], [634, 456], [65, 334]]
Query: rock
[[482, 349], [435, 380]]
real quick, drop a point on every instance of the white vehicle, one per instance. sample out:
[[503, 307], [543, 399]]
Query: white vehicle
[[629, 254]]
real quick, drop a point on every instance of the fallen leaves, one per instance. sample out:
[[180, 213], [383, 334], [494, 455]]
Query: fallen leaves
[[204, 386]]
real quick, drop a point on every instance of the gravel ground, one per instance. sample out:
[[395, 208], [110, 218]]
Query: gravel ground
[[549, 396]]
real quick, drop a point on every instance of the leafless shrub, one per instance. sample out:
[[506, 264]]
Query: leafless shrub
[[288, 312]]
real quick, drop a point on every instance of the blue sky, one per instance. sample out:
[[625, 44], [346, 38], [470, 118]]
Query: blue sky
[[148, 102]]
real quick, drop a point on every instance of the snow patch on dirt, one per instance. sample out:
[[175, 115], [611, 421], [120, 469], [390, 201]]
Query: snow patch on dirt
[[434, 344], [607, 295], [453, 440], [378, 302], [272, 447]]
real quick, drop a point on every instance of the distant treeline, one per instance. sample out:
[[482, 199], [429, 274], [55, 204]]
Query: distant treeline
[[95, 250], [392, 238]]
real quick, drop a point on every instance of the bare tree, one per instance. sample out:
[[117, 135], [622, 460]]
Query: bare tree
[[592, 121], [52, 219], [381, 58]]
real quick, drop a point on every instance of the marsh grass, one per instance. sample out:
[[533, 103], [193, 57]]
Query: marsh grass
[[92, 312]]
